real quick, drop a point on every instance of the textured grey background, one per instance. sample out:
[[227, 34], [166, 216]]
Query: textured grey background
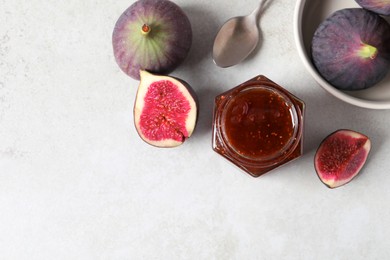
[[76, 182]]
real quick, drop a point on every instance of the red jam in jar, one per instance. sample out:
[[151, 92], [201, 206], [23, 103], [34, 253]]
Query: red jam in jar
[[258, 126]]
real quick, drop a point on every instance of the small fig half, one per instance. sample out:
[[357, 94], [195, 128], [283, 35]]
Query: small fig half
[[165, 110], [341, 156]]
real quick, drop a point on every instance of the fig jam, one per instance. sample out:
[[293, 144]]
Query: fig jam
[[258, 126]]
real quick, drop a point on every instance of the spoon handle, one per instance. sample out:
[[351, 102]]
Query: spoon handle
[[256, 13]]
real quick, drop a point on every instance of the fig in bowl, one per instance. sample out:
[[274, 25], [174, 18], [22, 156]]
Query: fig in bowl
[[153, 35], [377, 6], [308, 15], [351, 49]]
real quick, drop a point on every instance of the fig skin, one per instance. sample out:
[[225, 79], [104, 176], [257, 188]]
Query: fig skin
[[153, 35], [341, 156], [351, 49], [376, 6], [169, 118]]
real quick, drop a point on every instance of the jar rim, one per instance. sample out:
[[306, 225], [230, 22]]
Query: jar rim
[[281, 154]]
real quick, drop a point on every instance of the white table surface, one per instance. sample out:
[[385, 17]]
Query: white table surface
[[76, 181]]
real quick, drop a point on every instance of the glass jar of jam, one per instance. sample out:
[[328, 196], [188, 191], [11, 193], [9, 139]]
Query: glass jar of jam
[[258, 126]]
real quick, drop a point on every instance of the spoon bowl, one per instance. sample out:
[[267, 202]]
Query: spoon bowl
[[236, 39]]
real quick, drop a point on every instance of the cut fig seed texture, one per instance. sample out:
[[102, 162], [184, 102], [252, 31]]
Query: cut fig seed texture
[[165, 111], [341, 156]]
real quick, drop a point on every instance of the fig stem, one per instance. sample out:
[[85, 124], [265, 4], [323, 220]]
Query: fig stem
[[145, 30], [368, 51]]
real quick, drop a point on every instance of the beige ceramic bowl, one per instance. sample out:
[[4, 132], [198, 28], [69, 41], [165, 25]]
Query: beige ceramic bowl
[[308, 15]]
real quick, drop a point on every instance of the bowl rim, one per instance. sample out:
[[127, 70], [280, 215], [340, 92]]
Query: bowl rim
[[297, 24]]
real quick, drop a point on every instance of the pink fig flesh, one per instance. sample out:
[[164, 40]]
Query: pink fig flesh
[[341, 156], [165, 111]]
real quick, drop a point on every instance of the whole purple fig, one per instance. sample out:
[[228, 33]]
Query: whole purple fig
[[152, 35], [351, 49]]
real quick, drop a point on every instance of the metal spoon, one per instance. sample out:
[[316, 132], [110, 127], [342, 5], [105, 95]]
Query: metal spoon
[[237, 38]]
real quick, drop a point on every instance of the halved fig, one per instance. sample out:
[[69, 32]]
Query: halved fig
[[165, 110], [341, 156]]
